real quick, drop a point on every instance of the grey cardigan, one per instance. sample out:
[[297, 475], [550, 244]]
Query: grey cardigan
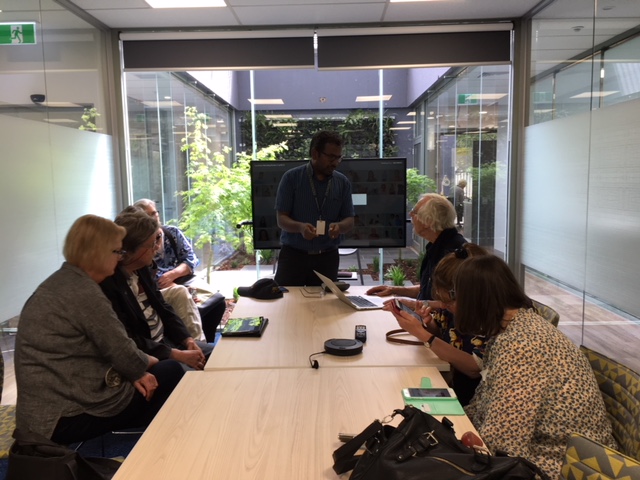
[[68, 339]]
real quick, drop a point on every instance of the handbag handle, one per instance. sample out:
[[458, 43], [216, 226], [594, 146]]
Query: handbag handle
[[345, 458], [391, 337]]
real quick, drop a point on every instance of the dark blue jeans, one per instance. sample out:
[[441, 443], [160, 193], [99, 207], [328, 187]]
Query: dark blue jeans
[[138, 414]]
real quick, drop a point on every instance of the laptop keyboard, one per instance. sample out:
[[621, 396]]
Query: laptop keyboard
[[361, 301]]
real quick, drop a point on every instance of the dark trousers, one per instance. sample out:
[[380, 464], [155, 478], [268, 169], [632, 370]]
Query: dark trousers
[[295, 267], [138, 414], [211, 313]]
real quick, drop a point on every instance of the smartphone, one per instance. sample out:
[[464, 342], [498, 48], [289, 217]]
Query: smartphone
[[428, 393], [398, 305]]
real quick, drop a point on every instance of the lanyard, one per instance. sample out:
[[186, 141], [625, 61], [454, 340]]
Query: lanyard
[[315, 193]]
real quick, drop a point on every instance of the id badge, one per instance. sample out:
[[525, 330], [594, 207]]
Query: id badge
[[320, 227]]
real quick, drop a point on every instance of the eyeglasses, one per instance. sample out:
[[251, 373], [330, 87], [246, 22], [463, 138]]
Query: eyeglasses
[[332, 157], [120, 253], [451, 294], [156, 242]]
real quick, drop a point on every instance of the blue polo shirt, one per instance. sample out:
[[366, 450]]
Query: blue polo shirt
[[295, 198]]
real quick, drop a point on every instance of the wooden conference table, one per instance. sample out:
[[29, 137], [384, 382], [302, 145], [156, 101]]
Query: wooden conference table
[[280, 423], [300, 323]]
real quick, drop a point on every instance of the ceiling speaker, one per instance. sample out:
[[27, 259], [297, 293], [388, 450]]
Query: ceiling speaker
[[343, 347]]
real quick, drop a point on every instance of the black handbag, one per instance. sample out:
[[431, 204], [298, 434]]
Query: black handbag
[[421, 447], [33, 456]]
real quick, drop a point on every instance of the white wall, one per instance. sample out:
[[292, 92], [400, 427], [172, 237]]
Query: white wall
[[51, 175]]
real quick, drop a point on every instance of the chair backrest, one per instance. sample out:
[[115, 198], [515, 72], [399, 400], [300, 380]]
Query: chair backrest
[[547, 313], [620, 388], [585, 459]]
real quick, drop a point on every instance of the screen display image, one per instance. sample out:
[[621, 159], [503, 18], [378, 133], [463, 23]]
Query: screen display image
[[379, 198]]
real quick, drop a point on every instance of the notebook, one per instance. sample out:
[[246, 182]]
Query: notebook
[[359, 302], [245, 327]]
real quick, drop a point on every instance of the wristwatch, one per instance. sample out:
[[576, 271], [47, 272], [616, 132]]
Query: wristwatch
[[430, 341]]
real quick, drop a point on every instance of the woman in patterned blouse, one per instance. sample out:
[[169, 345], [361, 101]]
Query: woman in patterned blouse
[[537, 387]]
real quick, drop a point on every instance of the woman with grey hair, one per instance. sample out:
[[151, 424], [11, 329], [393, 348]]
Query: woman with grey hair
[[78, 374], [149, 320]]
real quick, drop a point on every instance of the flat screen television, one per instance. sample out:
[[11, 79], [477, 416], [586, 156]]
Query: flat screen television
[[379, 198]]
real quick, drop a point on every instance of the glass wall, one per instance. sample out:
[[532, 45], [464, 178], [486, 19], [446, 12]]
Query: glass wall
[[581, 173], [467, 140], [57, 155], [157, 127], [450, 132]]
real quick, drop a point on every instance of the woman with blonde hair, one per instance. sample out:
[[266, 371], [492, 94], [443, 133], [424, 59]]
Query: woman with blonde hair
[[78, 374]]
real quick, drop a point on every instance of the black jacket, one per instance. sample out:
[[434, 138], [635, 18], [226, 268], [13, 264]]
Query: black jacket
[[130, 314], [448, 241]]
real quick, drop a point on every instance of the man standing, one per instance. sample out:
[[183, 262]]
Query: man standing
[[314, 207]]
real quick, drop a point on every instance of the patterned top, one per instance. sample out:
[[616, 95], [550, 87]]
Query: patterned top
[[170, 257], [473, 344], [537, 388], [463, 385]]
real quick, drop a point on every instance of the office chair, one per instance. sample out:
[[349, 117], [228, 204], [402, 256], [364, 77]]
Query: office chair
[[586, 459], [547, 313], [620, 388]]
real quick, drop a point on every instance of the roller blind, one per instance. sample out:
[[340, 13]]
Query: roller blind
[[213, 54], [414, 50]]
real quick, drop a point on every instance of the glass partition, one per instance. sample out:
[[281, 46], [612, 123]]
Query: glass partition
[[579, 215], [450, 133]]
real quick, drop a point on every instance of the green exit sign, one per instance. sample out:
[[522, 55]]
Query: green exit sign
[[18, 33], [467, 99]]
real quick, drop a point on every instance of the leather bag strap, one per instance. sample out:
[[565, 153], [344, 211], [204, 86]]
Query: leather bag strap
[[391, 337], [345, 458]]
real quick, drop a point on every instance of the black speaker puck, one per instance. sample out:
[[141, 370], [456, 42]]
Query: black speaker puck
[[343, 347]]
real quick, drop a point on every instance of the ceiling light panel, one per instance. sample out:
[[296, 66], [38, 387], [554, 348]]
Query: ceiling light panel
[[373, 98], [186, 3]]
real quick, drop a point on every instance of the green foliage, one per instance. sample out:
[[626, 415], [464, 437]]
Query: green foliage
[[220, 195], [484, 180], [417, 185], [376, 263], [89, 117], [266, 256], [396, 275], [359, 129]]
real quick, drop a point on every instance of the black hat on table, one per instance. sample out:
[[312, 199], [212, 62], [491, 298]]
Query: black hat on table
[[263, 289]]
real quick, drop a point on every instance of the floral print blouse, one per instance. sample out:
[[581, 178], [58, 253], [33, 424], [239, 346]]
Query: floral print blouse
[[537, 388]]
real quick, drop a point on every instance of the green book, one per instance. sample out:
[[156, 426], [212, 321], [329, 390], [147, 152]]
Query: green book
[[245, 327]]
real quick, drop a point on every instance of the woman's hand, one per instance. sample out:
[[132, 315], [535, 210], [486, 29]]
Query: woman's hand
[[411, 324], [146, 385], [193, 358]]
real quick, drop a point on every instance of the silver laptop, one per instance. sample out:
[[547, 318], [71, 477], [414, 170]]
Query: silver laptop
[[359, 302]]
